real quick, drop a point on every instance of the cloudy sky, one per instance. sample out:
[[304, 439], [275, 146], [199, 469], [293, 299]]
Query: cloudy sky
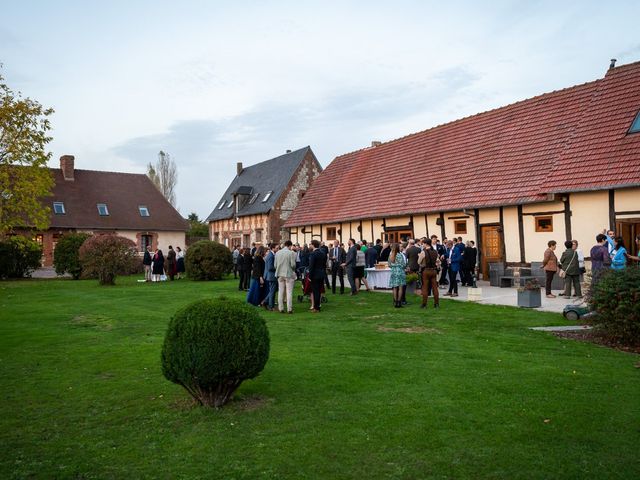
[[214, 83]]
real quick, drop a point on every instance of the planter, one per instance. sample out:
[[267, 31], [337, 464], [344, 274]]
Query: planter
[[529, 298], [411, 288]]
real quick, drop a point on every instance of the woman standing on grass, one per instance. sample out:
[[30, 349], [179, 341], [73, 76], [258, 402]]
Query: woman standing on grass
[[256, 290], [179, 262], [397, 264], [158, 265]]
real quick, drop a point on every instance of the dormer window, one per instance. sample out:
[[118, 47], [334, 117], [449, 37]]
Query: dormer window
[[253, 198], [635, 125], [103, 211], [58, 208], [267, 196], [230, 203], [221, 205], [144, 211]]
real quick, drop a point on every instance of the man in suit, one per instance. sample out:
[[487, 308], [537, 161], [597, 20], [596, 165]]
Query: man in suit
[[317, 273], [338, 256], [412, 253], [270, 277], [384, 253], [442, 253], [285, 263], [469, 257], [371, 256], [350, 264]]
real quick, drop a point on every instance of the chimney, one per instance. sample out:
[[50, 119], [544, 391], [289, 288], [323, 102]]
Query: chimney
[[66, 165], [288, 151], [613, 63], [239, 168], [376, 143]]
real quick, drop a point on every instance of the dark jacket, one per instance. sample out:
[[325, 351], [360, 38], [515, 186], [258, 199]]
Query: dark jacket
[[171, 260], [257, 268], [247, 260], [412, 258], [270, 267], [317, 264], [569, 262], [340, 259], [371, 256], [384, 254], [158, 264], [146, 260], [350, 259], [469, 257]]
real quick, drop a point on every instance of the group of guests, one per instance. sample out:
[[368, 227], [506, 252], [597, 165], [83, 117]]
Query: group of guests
[[157, 267], [609, 253]]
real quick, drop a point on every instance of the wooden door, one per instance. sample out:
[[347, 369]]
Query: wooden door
[[491, 248], [628, 230]]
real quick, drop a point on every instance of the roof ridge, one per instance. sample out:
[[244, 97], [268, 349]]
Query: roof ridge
[[275, 158], [626, 66], [57, 169]]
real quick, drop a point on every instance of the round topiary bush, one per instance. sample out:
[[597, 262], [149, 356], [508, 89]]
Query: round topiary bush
[[19, 256], [212, 346], [106, 256], [207, 260], [616, 299], [67, 256]]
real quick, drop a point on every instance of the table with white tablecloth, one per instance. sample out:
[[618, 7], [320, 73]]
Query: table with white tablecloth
[[378, 278]]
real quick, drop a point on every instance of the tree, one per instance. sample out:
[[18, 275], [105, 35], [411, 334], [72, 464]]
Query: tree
[[196, 227], [164, 175], [24, 181], [106, 256], [67, 257]]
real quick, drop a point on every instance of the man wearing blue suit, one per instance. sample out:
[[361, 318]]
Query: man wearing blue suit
[[270, 277], [317, 273]]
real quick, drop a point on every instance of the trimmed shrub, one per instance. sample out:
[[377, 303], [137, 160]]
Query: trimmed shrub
[[66, 258], [616, 299], [19, 256], [212, 346], [207, 260], [106, 256]]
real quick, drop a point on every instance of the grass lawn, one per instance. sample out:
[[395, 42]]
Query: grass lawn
[[351, 393]]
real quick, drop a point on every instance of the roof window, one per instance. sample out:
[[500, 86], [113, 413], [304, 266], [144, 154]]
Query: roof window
[[230, 203], [253, 198], [58, 208], [221, 205], [267, 196], [144, 211], [635, 125], [103, 211]]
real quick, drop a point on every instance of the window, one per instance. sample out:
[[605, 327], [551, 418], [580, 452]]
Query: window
[[58, 208], [230, 203], [331, 233], [267, 196], [144, 211], [635, 125], [259, 235], [145, 241], [253, 198], [103, 211], [544, 224], [460, 227], [221, 205]]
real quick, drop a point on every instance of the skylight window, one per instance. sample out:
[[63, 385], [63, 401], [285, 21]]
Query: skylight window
[[253, 198], [230, 203], [221, 205], [144, 211], [58, 208], [635, 125], [103, 211], [267, 196]]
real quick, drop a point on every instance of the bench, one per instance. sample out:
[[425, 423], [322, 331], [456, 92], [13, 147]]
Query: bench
[[508, 282]]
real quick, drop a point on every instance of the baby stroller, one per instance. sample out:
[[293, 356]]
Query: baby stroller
[[307, 291]]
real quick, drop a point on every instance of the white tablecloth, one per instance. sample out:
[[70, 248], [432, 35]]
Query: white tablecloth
[[378, 278]]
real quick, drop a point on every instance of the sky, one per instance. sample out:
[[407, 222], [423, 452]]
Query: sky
[[214, 83]]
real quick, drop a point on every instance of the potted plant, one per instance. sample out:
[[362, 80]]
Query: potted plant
[[529, 294], [412, 279]]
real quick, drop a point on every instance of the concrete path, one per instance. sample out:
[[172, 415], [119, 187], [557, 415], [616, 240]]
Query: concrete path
[[560, 328]]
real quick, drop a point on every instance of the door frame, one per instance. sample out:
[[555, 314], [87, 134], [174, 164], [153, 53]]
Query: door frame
[[484, 265]]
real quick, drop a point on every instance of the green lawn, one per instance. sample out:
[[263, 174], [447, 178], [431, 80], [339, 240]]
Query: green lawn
[[475, 394]]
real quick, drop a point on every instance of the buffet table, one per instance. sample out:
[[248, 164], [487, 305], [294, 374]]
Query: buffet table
[[377, 278]]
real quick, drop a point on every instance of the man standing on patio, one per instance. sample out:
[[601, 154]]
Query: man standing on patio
[[286, 274]]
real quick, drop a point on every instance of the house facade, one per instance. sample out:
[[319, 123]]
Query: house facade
[[97, 202], [563, 165], [261, 198]]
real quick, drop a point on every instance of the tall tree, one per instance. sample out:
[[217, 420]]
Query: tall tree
[[24, 180], [164, 175]]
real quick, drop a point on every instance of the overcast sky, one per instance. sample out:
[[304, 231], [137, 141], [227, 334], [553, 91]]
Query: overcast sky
[[214, 83]]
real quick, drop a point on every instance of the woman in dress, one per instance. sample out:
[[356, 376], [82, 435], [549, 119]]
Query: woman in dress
[[397, 264], [158, 265], [256, 290], [171, 263], [179, 262]]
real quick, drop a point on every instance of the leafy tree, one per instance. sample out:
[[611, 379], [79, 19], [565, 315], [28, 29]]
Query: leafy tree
[[24, 181], [164, 175], [67, 255], [197, 228], [206, 260], [106, 256]]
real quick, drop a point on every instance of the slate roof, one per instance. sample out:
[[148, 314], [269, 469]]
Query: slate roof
[[269, 176], [567, 140], [123, 193]]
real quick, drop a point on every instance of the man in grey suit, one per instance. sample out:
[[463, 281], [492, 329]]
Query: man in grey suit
[[350, 265]]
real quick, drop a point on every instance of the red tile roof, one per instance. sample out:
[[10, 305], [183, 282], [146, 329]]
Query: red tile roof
[[511, 155], [123, 193]]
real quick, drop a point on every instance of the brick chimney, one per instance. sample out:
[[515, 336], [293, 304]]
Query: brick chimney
[[376, 143], [239, 168], [66, 165]]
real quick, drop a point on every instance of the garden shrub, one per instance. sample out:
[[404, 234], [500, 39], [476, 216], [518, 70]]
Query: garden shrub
[[19, 256], [212, 346], [616, 300], [66, 258], [207, 260], [106, 256]]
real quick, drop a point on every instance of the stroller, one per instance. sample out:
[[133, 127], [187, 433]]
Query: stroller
[[307, 291]]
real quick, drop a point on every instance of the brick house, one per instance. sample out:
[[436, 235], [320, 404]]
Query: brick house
[[261, 197], [563, 165], [90, 201]]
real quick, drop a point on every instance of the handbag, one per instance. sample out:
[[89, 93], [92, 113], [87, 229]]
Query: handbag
[[562, 273]]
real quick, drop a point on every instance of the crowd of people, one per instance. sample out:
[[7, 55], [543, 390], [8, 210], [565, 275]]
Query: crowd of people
[[158, 268]]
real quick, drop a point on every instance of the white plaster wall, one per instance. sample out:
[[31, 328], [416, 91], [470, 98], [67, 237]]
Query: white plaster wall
[[627, 199], [590, 215], [511, 231], [489, 215]]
